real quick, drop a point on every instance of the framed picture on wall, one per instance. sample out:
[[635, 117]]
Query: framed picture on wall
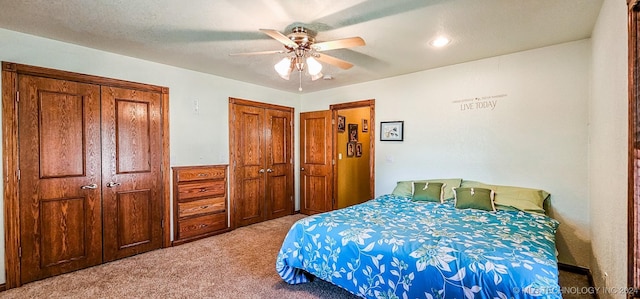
[[341, 122], [353, 132], [365, 125], [392, 130], [358, 149], [351, 149]]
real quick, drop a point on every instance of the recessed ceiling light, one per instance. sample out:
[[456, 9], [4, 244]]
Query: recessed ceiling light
[[440, 42]]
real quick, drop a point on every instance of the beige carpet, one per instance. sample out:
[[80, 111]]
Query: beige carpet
[[238, 264]]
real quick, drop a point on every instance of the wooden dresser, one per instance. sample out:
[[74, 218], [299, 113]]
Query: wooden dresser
[[199, 202]]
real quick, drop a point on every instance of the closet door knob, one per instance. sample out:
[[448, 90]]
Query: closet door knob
[[269, 170], [112, 184], [261, 170], [302, 169], [92, 186]]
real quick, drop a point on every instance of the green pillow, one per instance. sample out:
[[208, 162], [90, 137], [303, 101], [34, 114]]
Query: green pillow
[[510, 197], [474, 198], [428, 191], [403, 188]]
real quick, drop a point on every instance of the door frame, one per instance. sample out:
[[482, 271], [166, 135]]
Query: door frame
[[232, 140], [372, 143], [10, 97], [633, 177]]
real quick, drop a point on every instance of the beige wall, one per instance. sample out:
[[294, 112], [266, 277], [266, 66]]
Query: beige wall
[[353, 172], [608, 148]]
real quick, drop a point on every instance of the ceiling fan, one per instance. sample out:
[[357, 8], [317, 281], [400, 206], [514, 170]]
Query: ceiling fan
[[304, 53]]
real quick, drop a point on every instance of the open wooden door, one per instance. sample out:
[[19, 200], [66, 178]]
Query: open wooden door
[[316, 162]]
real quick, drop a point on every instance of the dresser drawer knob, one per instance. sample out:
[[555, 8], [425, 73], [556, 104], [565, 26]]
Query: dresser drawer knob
[[204, 207], [203, 189], [203, 174]]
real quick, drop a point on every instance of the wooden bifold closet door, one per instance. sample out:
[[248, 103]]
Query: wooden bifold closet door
[[261, 161], [90, 179], [132, 179], [60, 171]]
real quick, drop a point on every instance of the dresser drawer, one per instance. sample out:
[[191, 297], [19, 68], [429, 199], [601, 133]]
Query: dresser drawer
[[198, 174], [201, 189], [201, 206], [202, 225]]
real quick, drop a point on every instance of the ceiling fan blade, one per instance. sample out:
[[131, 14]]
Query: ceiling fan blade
[[339, 44], [258, 53], [335, 61], [275, 34]]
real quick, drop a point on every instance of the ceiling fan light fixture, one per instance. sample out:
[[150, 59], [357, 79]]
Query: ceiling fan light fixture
[[283, 68], [313, 66], [440, 42], [316, 76]]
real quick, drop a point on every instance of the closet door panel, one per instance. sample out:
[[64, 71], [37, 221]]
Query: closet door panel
[[250, 210], [279, 199], [133, 129], [59, 224], [135, 213], [279, 168], [132, 186], [61, 134], [249, 164], [59, 162]]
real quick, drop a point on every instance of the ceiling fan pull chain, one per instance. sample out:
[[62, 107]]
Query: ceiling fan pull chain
[[300, 76]]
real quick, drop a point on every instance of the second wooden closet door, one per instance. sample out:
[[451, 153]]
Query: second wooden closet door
[[131, 176], [263, 164]]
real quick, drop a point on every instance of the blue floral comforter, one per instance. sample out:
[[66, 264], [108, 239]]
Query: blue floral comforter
[[391, 247]]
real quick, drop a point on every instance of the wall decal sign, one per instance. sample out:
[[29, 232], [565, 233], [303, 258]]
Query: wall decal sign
[[479, 103]]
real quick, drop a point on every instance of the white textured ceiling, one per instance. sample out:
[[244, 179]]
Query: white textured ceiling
[[200, 34]]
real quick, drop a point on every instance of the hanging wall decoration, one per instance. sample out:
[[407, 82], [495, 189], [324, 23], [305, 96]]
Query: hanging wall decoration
[[391, 131]]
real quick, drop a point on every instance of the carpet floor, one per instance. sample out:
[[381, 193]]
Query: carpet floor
[[238, 264]]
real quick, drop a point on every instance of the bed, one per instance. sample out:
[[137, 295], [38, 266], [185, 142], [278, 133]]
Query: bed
[[393, 247]]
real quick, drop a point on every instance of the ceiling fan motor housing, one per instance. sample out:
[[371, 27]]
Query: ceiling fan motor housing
[[302, 38]]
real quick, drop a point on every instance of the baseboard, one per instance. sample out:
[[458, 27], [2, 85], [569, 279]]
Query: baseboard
[[296, 212], [3, 287], [578, 270], [574, 269]]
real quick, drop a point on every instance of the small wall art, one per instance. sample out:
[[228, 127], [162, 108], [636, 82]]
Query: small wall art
[[365, 125], [351, 149], [392, 130], [341, 123], [358, 149], [353, 132]]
